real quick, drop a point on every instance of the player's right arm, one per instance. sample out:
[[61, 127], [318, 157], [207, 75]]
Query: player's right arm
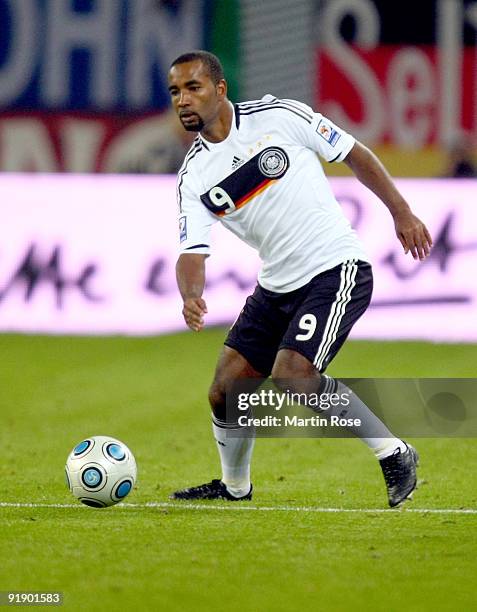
[[195, 223], [190, 274]]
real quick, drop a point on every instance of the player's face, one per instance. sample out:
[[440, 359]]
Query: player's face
[[195, 97]]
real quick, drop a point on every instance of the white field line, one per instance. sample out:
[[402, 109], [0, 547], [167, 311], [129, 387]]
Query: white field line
[[239, 507]]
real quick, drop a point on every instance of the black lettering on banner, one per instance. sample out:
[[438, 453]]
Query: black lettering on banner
[[443, 250], [353, 209], [158, 282], [154, 282], [33, 272], [232, 276]]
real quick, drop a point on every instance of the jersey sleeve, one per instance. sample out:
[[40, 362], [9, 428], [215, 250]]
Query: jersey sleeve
[[317, 132], [195, 221]]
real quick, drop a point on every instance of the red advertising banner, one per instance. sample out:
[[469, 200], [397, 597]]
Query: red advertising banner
[[401, 95], [90, 143]]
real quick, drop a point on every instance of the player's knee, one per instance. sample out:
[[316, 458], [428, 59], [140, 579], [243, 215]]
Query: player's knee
[[290, 364], [217, 398], [292, 371]]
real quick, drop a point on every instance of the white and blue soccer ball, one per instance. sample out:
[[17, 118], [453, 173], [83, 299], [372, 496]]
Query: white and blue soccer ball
[[101, 471]]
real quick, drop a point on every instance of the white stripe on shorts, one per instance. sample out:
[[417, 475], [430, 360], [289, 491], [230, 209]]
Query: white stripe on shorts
[[343, 296]]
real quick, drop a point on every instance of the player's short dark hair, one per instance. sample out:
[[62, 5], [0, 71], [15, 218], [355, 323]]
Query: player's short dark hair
[[210, 61]]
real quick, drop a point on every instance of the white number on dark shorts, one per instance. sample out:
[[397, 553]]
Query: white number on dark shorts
[[308, 324]]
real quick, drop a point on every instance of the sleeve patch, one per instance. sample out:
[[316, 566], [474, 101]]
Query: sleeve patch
[[183, 228], [328, 133]]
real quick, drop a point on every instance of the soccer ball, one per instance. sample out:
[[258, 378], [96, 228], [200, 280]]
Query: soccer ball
[[100, 471]]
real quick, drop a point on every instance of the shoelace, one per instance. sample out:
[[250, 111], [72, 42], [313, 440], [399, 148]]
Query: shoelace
[[393, 469], [208, 487]]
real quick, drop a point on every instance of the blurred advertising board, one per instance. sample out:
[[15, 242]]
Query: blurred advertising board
[[399, 95], [83, 84], [92, 254], [103, 56], [401, 77]]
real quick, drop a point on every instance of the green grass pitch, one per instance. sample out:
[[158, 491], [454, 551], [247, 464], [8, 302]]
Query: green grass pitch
[[151, 393]]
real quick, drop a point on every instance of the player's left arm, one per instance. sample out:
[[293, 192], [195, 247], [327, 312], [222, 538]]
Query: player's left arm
[[410, 230]]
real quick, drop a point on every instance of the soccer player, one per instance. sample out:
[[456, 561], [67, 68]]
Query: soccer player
[[253, 166]]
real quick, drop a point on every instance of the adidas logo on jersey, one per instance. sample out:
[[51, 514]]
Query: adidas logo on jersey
[[237, 162]]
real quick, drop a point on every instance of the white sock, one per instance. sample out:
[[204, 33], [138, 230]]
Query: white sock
[[372, 431], [383, 447], [235, 456]]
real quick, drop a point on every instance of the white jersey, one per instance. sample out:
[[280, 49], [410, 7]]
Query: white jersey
[[265, 183]]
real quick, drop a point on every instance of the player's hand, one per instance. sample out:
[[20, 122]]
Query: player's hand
[[193, 312], [413, 235]]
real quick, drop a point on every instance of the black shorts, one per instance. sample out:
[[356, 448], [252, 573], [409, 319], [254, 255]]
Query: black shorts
[[313, 320]]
